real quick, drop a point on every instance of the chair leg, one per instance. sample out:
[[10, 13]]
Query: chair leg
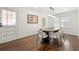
[[63, 37], [56, 42], [37, 41]]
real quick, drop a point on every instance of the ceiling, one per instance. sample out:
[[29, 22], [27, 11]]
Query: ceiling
[[46, 10], [56, 9]]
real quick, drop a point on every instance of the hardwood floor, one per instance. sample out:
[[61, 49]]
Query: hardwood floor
[[71, 43]]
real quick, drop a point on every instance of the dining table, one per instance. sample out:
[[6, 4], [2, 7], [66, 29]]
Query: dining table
[[47, 30]]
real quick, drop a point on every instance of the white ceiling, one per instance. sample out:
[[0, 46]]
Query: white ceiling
[[56, 9], [46, 10], [64, 9]]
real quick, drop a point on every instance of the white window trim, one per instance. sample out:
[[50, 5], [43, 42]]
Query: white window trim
[[8, 10], [61, 22]]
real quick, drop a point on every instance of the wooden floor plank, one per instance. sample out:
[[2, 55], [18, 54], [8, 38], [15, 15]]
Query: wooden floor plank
[[71, 43]]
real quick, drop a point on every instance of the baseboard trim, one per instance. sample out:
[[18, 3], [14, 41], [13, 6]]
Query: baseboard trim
[[27, 36], [17, 39], [71, 35]]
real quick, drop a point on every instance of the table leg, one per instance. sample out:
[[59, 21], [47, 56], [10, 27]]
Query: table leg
[[47, 39]]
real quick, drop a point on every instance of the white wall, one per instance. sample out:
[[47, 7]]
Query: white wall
[[25, 29], [73, 21]]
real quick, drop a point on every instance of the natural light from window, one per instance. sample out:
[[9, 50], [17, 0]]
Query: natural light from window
[[8, 17], [62, 22]]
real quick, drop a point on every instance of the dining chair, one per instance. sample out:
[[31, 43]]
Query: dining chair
[[41, 35], [57, 36]]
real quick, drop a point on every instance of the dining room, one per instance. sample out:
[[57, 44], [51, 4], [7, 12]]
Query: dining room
[[39, 29]]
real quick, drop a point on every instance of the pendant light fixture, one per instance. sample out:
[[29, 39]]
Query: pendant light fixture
[[51, 13]]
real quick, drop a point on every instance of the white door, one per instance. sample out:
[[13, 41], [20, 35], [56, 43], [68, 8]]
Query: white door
[[8, 28]]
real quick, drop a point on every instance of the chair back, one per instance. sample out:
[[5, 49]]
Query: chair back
[[40, 32]]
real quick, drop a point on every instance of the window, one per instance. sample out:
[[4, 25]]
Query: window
[[8, 17], [62, 22], [57, 22]]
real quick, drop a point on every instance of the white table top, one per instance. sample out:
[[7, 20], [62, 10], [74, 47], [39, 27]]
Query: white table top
[[50, 29]]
